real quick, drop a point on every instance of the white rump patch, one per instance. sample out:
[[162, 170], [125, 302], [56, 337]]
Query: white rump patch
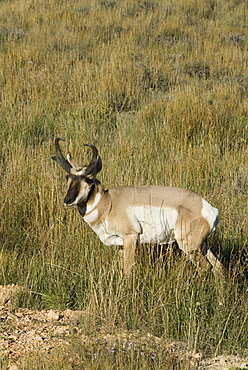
[[210, 214]]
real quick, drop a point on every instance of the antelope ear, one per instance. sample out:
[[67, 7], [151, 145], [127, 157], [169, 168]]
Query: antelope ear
[[95, 164], [71, 160]]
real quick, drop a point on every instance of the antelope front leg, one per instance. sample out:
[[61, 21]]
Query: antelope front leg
[[129, 252]]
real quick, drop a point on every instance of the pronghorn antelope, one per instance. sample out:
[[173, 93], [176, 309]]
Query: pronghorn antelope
[[125, 215]]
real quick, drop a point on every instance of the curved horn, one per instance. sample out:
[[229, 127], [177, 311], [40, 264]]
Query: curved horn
[[59, 158], [95, 164]]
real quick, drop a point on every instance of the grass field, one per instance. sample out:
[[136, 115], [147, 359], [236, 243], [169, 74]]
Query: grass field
[[161, 88]]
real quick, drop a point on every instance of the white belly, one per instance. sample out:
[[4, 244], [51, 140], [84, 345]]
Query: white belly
[[151, 224], [155, 224]]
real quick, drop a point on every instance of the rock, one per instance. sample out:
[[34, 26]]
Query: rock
[[53, 316], [13, 367]]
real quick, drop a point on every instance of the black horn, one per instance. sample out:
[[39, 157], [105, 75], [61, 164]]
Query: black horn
[[95, 164], [59, 158]]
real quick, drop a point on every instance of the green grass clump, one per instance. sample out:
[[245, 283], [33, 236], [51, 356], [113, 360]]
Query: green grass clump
[[161, 89]]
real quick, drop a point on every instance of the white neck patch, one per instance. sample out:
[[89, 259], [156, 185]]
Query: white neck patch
[[90, 207]]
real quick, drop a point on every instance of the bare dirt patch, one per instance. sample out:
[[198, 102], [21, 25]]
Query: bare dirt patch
[[25, 333]]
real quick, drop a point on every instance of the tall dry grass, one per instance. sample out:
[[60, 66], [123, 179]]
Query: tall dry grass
[[161, 89]]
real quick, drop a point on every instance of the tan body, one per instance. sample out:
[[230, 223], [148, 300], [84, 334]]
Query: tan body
[[126, 215]]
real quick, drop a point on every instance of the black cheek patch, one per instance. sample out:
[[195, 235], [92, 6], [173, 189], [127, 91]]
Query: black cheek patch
[[72, 193], [89, 181]]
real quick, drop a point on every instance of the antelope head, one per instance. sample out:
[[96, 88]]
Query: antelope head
[[80, 180]]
